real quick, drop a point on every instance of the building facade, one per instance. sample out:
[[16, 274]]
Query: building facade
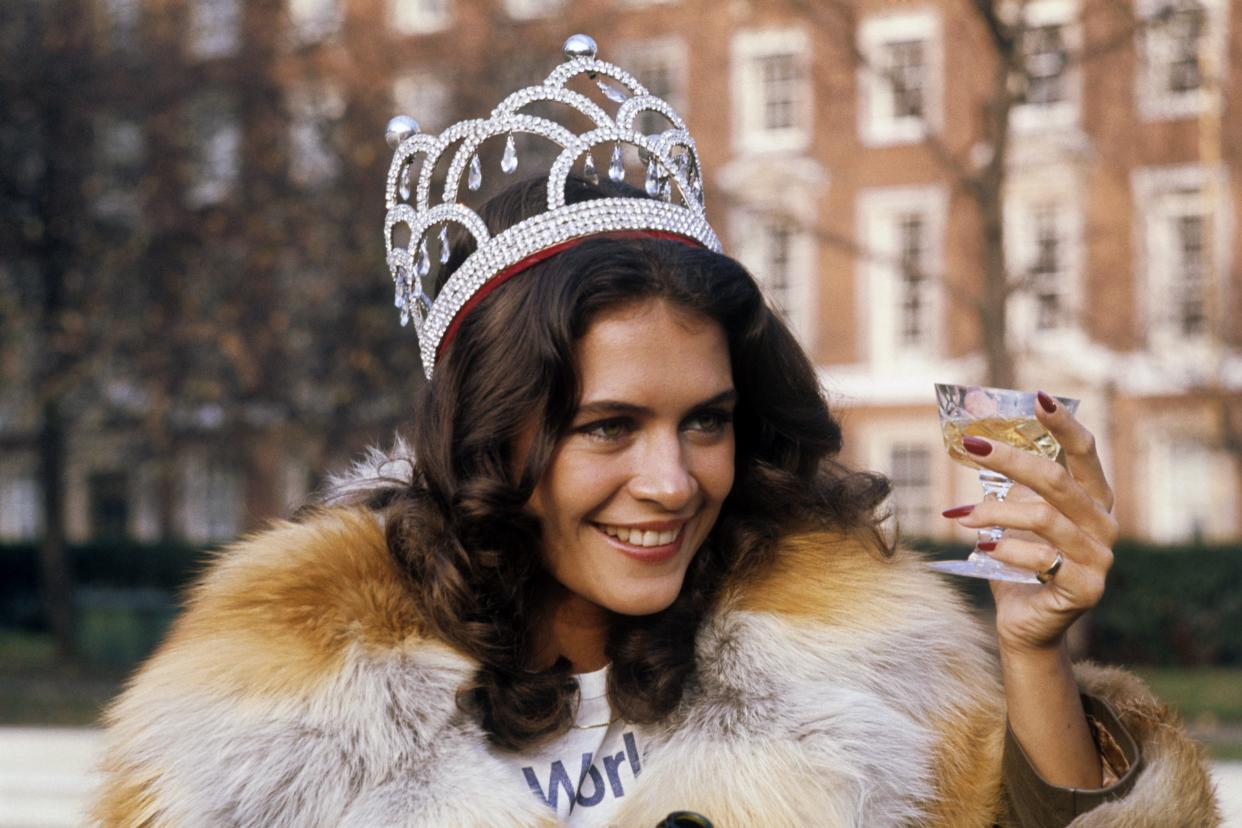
[[844, 144]]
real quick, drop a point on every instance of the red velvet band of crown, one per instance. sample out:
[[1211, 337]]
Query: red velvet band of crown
[[542, 255]]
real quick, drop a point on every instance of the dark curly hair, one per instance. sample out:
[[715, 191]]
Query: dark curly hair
[[461, 529]]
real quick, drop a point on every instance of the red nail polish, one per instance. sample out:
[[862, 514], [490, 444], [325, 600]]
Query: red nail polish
[[1046, 402], [977, 446], [985, 546], [959, 511]]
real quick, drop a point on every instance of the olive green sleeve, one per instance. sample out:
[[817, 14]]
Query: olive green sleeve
[[1032, 802]]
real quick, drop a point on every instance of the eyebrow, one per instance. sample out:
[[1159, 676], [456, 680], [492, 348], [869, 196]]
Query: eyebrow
[[599, 407]]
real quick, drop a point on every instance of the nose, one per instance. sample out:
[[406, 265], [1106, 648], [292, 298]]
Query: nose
[[663, 476]]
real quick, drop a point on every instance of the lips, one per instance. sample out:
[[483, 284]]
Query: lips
[[637, 536]]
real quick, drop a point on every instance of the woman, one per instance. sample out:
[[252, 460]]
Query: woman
[[625, 576]]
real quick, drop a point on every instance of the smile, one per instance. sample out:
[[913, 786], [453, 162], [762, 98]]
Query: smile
[[641, 537]]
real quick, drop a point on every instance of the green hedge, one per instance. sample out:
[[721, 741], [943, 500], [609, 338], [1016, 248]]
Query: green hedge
[[124, 565], [1165, 605]]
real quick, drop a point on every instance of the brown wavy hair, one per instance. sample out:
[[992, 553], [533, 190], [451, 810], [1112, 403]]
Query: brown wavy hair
[[461, 529]]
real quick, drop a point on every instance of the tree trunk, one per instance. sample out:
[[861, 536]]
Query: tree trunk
[[54, 565]]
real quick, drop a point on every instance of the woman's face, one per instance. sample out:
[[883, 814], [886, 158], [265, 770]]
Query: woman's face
[[637, 483]]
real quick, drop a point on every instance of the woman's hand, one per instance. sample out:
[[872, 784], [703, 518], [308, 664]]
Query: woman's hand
[[1051, 508]]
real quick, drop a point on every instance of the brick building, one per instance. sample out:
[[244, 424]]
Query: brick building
[[838, 139]]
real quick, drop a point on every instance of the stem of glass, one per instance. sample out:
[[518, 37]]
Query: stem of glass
[[995, 487]]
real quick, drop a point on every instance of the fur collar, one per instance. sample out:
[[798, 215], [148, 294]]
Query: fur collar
[[299, 689]]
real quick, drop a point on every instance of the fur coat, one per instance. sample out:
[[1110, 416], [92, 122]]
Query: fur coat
[[299, 688]]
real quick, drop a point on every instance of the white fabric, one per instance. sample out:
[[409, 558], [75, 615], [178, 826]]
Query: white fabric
[[584, 774]]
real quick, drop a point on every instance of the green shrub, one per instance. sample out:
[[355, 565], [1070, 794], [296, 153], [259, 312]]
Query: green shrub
[[1165, 605]]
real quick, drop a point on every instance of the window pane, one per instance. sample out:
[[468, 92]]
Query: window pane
[[907, 71], [1046, 61], [214, 27], [911, 239], [217, 149], [910, 473], [779, 79]]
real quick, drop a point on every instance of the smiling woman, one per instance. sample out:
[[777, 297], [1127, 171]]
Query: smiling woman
[[621, 573]]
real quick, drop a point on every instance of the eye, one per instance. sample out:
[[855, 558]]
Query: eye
[[712, 421], [607, 431]]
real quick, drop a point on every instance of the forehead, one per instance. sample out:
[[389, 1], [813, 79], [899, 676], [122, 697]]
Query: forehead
[[641, 348]]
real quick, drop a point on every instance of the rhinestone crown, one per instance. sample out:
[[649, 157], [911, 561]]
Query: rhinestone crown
[[673, 180]]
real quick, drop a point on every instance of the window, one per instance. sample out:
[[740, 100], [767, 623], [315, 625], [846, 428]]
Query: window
[[901, 235], [910, 472], [1182, 56], [21, 513], [216, 153], [122, 20], [772, 87], [315, 20], [659, 65], [532, 9], [214, 28], [900, 77], [109, 504], [424, 97], [212, 500], [1050, 37], [120, 151], [1190, 485], [1181, 252], [413, 17], [314, 110], [781, 255], [1044, 255]]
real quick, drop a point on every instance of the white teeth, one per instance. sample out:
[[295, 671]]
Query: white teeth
[[638, 537]]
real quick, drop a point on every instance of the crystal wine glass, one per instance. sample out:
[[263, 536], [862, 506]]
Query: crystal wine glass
[[1007, 417]]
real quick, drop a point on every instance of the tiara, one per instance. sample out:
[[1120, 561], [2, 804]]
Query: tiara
[[673, 181]]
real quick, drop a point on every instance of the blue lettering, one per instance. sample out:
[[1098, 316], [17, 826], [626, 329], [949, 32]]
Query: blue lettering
[[631, 750], [611, 764], [597, 782], [557, 779]]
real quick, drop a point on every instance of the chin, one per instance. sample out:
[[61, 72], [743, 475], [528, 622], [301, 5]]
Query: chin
[[644, 600]]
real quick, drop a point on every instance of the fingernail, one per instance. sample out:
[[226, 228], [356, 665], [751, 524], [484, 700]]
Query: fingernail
[[959, 511], [1046, 402], [977, 446], [985, 546]]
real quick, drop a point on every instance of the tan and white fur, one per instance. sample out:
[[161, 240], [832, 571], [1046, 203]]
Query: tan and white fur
[[300, 688]]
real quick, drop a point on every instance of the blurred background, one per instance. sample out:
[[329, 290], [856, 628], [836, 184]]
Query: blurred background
[[196, 321]]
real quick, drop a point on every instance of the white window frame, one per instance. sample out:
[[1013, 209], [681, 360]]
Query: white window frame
[[419, 17], [212, 498], [1024, 198], [533, 9], [751, 135], [1159, 193], [21, 502], [671, 51], [879, 278], [1063, 114], [120, 151], [877, 124], [122, 21], [1188, 484], [312, 21], [750, 232], [213, 28], [424, 97], [217, 151], [314, 110], [1158, 104]]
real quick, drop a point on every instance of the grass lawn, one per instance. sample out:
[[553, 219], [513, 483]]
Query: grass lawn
[[1209, 699]]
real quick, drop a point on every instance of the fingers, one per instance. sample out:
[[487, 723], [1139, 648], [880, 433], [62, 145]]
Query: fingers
[[1054, 483], [1081, 457], [1081, 585], [1046, 522]]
